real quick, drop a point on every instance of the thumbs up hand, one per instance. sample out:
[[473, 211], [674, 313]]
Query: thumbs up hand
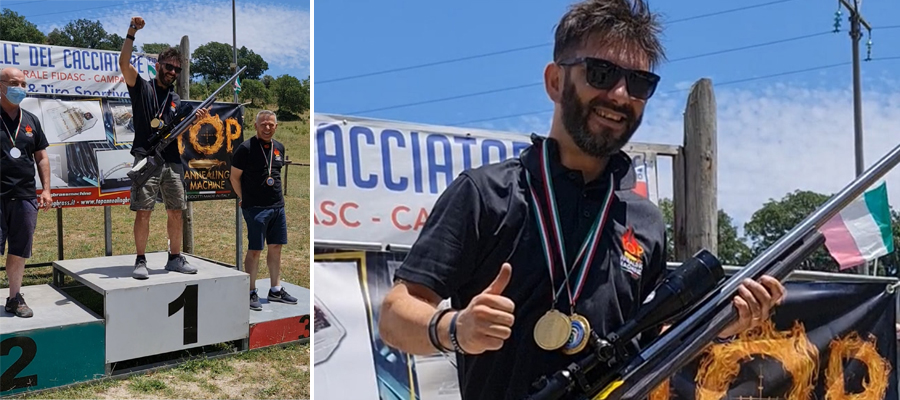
[[488, 319]]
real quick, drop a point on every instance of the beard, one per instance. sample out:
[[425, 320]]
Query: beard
[[602, 143]]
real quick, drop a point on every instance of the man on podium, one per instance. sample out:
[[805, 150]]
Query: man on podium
[[24, 145], [256, 179]]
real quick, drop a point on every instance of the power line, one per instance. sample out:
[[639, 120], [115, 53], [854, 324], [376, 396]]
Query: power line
[[23, 2], [732, 82], [535, 46], [509, 88]]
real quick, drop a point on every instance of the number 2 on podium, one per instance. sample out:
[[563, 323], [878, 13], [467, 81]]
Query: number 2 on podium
[[8, 380], [187, 301]]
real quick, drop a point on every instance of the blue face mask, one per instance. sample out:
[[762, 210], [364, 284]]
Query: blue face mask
[[15, 94]]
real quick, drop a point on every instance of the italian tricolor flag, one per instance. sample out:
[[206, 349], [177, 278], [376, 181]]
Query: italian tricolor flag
[[861, 232]]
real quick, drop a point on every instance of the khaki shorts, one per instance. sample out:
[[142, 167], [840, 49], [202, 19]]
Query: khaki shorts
[[169, 181]]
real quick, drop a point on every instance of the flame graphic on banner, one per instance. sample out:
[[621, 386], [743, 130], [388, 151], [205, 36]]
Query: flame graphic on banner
[[852, 346]]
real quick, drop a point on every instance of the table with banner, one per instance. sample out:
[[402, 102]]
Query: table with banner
[[834, 337]]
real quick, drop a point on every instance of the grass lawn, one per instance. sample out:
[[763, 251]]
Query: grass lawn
[[269, 373]]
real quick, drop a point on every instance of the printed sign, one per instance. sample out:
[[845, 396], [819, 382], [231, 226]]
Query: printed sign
[[376, 181], [71, 71]]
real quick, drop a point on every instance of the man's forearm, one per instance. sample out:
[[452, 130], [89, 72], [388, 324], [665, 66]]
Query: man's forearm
[[127, 48], [44, 169], [236, 186], [404, 320]]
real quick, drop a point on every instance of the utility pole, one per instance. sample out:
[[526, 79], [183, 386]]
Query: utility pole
[[237, 202], [856, 22]]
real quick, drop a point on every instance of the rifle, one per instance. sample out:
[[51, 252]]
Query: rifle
[[608, 372], [151, 165]]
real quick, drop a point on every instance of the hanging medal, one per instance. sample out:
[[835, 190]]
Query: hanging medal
[[269, 161], [555, 330], [157, 122], [14, 152]]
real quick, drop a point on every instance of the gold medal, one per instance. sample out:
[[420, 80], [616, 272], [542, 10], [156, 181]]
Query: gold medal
[[580, 330], [552, 330], [156, 123]]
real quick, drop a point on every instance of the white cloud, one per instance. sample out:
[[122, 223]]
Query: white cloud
[[778, 139], [277, 32]]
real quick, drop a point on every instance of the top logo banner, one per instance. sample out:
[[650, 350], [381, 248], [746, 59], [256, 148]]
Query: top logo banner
[[70, 71]]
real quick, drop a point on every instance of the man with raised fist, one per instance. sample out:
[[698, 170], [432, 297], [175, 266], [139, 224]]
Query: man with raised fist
[[537, 252], [154, 105]]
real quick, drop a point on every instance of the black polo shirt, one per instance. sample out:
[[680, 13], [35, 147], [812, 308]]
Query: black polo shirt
[[252, 157], [17, 174], [484, 219], [146, 100]]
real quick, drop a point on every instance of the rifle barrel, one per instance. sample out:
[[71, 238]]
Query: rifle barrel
[[761, 264]]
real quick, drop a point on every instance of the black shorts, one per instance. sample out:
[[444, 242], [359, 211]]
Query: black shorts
[[18, 218]]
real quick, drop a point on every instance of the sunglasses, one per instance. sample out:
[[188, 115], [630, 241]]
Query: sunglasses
[[603, 75], [171, 67]]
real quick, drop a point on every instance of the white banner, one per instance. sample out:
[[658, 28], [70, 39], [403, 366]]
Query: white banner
[[71, 71], [376, 181]]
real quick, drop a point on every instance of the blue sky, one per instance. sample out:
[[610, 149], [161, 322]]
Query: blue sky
[[277, 30], [776, 134]]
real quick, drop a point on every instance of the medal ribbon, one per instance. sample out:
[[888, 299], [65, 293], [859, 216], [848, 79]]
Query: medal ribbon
[[161, 105], [271, 153], [9, 131], [588, 247]]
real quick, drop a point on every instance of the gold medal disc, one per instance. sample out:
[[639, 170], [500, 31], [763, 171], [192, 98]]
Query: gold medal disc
[[156, 123], [552, 330], [580, 331]]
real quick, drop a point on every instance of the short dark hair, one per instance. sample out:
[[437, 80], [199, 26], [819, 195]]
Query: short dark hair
[[625, 22], [169, 54]]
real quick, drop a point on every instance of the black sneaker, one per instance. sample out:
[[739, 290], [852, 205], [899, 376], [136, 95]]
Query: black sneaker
[[255, 305], [281, 297], [16, 305]]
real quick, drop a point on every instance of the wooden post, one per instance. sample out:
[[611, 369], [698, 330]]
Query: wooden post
[[701, 211], [184, 91], [678, 200]]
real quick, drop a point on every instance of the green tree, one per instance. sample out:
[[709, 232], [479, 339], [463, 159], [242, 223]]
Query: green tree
[[777, 217], [212, 61], [731, 247], [890, 264], [268, 80], [15, 28], [291, 94], [256, 92], [155, 48], [86, 34]]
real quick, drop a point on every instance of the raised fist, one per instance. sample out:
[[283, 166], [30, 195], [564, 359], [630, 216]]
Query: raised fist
[[487, 322], [138, 23]]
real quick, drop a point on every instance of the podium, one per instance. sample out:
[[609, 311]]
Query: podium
[[63, 343], [138, 321], [279, 323], [168, 312]]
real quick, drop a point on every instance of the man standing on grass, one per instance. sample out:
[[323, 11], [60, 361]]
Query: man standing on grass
[[256, 179], [24, 145], [154, 105]]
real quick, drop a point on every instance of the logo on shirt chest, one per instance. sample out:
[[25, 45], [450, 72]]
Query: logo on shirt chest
[[277, 155], [631, 260], [28, 131]]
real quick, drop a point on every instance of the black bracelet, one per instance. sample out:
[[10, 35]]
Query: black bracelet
[[129, 37], [432, 330], [453, 338]]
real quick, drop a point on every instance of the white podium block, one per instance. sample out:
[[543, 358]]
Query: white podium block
[[170, 311]]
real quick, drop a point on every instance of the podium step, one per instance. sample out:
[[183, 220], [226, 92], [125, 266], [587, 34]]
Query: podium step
[[279, 323], [63, 343], [168, 312]]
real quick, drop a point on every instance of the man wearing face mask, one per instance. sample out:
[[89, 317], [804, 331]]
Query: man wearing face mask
[[24, 145], [256, 179], [537, 252], [154, 104]]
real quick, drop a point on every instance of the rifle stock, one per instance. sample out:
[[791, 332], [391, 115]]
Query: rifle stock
[[149, 166], [634, 377]]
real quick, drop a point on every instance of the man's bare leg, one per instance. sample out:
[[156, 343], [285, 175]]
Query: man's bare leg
[[141, 230], [251, 262], [15, 268], [173, 227], [273, 261]]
